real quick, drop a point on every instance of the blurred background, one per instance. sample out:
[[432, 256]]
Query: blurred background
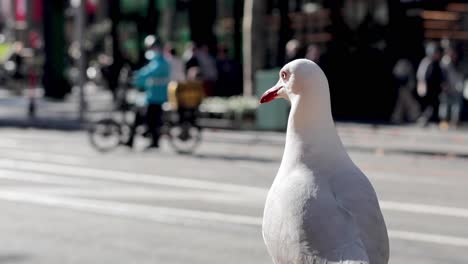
[[76, 188]]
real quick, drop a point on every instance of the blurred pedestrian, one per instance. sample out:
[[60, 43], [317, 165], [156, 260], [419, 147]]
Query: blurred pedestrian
[[293, 50], [229, 81], [17, 57], [451, 99], [430, 81], [176, 64], [190, 56], [406, 105], [153, 79], [313, 53], [207, 64], [202, 59], [187, 54]]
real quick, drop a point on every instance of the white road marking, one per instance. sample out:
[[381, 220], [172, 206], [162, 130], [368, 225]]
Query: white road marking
[[41, 178], [107, 192], [407, 178], [192, 217], [131, 177], [155, 213], [428, 238], [41, 156], [67, 159], [59, 159], [255, 192], [12, 143], [424, 209]]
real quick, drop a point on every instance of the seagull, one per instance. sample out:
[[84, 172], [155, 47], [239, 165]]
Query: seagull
[[320, 208]]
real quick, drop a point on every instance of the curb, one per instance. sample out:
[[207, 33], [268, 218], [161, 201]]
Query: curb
[[53, 124]]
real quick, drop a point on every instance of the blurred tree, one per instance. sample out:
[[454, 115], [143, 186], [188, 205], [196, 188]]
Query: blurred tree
[[238, 13], [147, 17], [358, 62], [144, 15], [133, 6], [148, 25], [285, 32], [253, 41], [112, 73], [54, 82], [202, 16]]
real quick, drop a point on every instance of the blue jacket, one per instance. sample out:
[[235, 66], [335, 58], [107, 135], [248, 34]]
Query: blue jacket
[[153, 78]]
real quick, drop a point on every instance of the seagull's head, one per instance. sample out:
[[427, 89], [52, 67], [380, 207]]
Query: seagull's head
[[296, 78]]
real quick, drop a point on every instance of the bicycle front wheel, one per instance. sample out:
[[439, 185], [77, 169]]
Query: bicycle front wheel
[[105, 134]]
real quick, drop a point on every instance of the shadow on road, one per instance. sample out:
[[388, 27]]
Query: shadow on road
[[13, 258], [234, 157], [430, 153]]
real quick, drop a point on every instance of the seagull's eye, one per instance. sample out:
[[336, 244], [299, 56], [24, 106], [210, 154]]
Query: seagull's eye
[[284, 75]]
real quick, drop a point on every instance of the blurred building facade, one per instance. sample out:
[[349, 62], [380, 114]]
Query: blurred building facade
[[357, 42]]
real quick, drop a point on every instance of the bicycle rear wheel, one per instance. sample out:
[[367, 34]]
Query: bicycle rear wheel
[[184, 138], [105, 134]]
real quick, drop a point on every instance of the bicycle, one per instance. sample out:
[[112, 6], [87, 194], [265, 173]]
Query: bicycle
[[108, 133]]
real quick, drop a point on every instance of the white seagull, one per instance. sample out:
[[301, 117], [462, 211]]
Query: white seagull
[[320, 208]]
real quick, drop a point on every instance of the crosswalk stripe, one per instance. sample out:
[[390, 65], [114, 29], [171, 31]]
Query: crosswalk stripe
[[424, 209], [106, 192], [406, 178], [63, 159], [428, 238], [193, 217], [131, 177], [254, 192], [40, 178], [155, 213], [41, 156]]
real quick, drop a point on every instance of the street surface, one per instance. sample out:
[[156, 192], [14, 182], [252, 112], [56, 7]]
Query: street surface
[[62, 202]]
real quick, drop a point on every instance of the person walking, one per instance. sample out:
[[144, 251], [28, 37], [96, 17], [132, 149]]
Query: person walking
[[153, 79], [451, 99], [176, 64], [406, 106], [229, 81], [293, 50], [430, 81], [207, 64]]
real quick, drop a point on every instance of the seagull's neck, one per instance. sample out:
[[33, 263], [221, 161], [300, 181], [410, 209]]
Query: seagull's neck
[[311, 137]]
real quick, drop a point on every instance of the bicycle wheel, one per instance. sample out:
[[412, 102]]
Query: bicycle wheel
[[184, 138], [105, 134]]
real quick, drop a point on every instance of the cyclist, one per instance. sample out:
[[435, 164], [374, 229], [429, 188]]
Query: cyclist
[[153, 79]]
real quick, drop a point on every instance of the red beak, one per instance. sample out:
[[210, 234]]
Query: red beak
[[270, 95]]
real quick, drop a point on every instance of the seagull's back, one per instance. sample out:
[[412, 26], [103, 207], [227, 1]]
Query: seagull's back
[[358, 196]]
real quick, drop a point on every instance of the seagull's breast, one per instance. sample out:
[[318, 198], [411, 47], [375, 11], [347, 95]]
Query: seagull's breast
[[302, 217]]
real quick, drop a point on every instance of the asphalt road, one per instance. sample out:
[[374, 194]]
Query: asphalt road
[[62, 202]]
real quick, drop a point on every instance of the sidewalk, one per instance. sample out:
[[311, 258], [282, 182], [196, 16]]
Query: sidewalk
[[405, 139], [51, 114], [380, 139]]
